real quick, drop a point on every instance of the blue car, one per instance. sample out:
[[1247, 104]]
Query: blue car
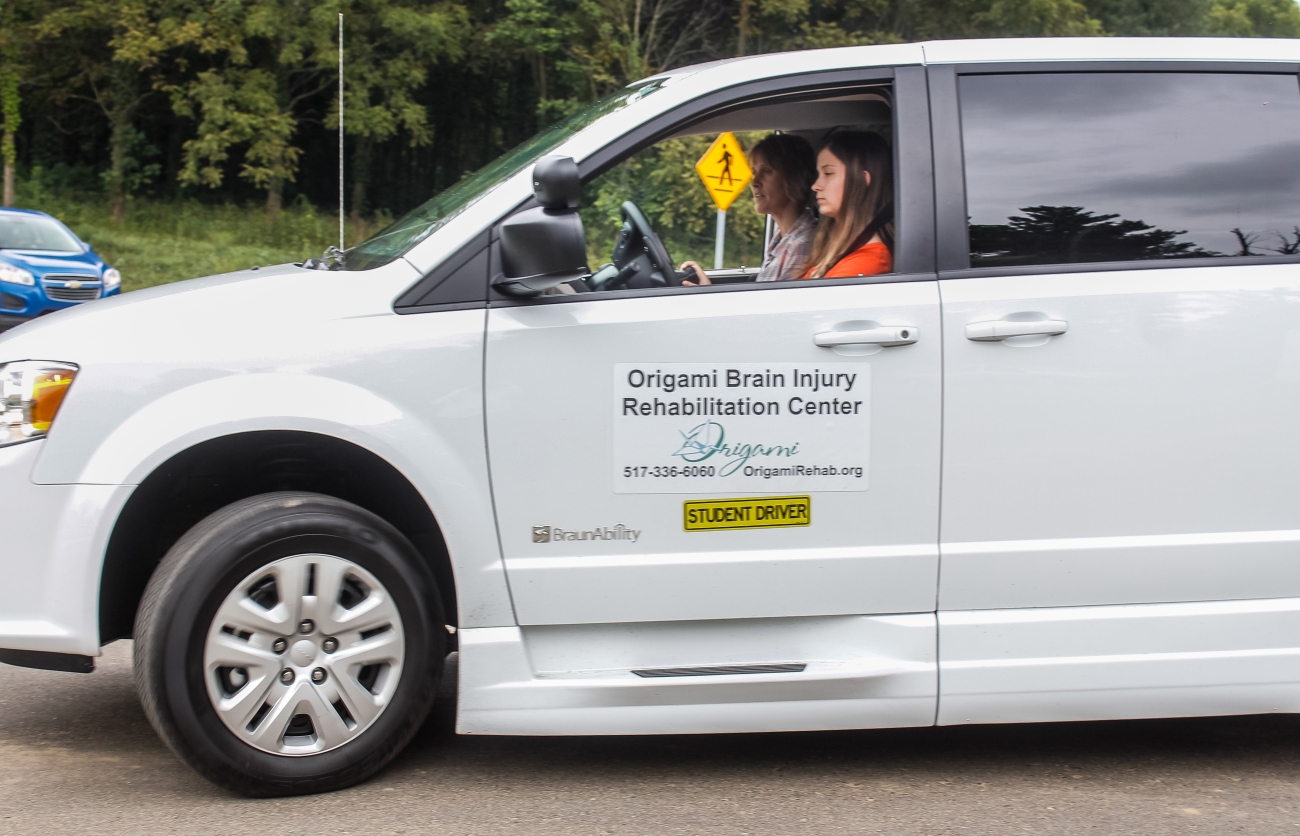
[[45, 267]]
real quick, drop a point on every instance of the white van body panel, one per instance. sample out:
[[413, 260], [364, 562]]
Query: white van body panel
[[1145, 456], [145, 346], [49, 600], [1126, 662]]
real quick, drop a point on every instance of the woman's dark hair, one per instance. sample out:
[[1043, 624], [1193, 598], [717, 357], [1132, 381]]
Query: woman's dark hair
[[792, 158], [866, 210]]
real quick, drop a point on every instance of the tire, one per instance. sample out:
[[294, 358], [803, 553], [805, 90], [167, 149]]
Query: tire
[[228, 663]]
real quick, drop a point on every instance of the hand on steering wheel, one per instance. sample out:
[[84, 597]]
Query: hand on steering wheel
[[701, 278], [640, 255]]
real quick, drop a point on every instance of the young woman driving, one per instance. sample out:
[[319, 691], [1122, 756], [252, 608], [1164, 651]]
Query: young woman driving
[[855, 195], [784, 170]]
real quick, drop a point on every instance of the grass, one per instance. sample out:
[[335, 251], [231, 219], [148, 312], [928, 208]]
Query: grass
[[166, 241]]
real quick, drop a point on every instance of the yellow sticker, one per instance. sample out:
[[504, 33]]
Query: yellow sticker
[[724, 170], [751, 512]]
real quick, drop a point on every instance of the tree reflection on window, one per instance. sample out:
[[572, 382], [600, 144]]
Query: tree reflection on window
[[1071, 234]]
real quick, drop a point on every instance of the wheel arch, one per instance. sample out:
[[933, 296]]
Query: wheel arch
[[216, 472]]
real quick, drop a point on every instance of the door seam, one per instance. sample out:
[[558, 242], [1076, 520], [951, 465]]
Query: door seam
[[487, 462], [943, 388]]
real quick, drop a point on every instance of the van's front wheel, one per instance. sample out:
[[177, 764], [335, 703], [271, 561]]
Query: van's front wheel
[[289, 643]]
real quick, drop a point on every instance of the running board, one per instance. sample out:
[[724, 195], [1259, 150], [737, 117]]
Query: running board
[[836, 672], [724, 670]]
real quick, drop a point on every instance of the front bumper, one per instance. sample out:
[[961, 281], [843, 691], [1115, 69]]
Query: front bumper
[[52, 544], [27, 301]]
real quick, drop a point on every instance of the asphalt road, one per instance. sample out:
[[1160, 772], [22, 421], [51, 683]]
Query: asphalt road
[[77, 756]]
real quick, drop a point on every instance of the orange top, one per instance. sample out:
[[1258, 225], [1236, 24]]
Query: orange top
[[868, 260]]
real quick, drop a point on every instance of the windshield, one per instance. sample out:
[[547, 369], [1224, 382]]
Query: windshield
[[36, 232], [421, 222]]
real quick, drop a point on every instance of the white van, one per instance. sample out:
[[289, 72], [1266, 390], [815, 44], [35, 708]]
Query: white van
[[1064, 487]]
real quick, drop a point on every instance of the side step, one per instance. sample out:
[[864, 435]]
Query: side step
[[724, 670]]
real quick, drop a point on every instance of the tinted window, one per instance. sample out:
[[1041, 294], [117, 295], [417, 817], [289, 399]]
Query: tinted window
[[1080, 167]]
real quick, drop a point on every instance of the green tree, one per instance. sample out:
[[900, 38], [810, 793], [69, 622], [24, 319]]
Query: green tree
[[267, 62], [631, 39], [1150, 17], [1037, 18], [578, 50], [390, 47], [14, 19], [113, 49], [539, 31], [812, 24], [233, 94], [1253, 19], [259, 63]]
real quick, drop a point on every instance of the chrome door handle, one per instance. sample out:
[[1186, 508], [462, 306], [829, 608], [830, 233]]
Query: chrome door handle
[[893, 335], [1000, 329]]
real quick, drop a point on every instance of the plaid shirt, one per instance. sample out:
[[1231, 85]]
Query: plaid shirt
[[789, 250]]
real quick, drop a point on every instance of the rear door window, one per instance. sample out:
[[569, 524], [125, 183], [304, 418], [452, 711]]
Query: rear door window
[[1103, 167]]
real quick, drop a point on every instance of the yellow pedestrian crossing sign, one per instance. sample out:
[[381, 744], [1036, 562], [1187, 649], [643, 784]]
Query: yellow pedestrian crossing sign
[[724, 170]]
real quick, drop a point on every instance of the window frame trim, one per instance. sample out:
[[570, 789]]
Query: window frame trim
[[732, 287], [952, 231]]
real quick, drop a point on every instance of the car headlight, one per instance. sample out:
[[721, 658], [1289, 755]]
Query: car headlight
[[31, 392], [16, 275], [112, 278]]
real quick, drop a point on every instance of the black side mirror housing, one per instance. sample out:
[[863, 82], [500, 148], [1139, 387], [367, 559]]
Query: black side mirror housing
[[545, 246]]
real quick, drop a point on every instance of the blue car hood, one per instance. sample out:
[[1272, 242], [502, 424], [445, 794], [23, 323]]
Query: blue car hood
[[43, 261]]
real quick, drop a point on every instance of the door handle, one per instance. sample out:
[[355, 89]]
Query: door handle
[[1000, 329], [891, 335]]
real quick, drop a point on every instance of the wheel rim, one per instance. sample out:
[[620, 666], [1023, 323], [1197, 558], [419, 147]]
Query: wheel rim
[[303, 655]]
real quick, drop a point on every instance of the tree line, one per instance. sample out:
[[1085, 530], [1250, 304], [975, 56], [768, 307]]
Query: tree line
[[234, 100]]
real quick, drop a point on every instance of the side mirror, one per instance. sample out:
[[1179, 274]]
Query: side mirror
[[545, 246], [556, 183]]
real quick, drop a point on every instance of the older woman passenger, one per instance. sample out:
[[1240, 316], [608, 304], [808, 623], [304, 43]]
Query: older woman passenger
[[784, 170]]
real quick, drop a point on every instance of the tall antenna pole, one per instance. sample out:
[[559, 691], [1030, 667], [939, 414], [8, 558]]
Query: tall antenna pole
[[341, 244]]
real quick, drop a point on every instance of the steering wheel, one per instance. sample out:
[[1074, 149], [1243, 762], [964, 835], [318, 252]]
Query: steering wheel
[[640, 257]]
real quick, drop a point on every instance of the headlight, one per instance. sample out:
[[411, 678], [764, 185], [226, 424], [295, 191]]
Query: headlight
[[31, 392], [112, 278], [16, 275]]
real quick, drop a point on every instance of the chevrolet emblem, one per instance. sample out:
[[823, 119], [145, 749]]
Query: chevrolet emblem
[[74, 284]]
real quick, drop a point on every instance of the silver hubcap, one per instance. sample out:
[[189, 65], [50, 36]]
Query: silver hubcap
[[303, 655]]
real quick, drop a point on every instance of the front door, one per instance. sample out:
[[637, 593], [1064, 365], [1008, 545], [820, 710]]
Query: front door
[[697, 483]]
